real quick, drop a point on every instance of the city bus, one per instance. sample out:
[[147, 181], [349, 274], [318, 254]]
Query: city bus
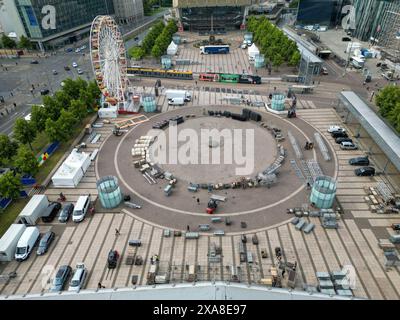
[[229, 78], [160, 73], [211, 77]]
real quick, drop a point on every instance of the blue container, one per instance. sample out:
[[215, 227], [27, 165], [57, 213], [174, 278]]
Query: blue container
[[278, 102], [109, 192], [176, 39], [259, 61], [323, 192], [149, 104], [166, 62]]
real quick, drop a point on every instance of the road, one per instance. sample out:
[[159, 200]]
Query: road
[[17, 81]]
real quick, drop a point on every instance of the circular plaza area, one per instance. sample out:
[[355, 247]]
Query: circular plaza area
[[213, 150]]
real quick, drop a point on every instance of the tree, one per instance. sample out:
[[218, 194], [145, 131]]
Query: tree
[[156, 52], [38, 118], [277, 61], [10, 185], [51, 107], [24, 43], [72, 88], [8, 42], [63, 128], [295, 59], [8, 149], [136, 53], [79, 108], [387, 99], [24, 132], [26, 162]]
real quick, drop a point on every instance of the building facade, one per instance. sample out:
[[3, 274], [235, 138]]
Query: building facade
[[326, 12], [128, 11], [10, 21], [72, 19], [378, 21], [215, 15]]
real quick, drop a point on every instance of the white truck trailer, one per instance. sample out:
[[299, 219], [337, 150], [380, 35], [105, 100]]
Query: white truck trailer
[[33, 210], [9, 241], [185, 95]]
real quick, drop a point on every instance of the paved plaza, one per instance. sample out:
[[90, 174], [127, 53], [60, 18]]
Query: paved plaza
[[354, 243]]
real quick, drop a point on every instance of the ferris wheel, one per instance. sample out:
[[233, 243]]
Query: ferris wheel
[[109, 62]]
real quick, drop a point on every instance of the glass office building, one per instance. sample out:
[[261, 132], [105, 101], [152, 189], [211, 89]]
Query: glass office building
[[72, 19], [322, 12]]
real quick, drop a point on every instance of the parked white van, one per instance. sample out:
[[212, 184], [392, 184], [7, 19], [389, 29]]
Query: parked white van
[[81, 208], [26, 243], [176, 102]]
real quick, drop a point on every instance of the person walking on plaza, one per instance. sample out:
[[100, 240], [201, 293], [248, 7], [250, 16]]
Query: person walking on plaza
[[187, 228], [198, 201], [117, 232]]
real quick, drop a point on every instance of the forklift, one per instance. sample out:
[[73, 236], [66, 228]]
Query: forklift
[[213, 203]]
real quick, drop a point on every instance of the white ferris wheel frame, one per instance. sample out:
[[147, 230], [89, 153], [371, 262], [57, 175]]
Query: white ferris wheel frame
[[108, 56]]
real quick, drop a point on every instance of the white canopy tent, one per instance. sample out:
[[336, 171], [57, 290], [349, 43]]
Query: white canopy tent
[[253, 51], [72, 170], [172, 49]]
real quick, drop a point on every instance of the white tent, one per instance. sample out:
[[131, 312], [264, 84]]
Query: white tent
[[172, 49], [110, 112], [72, 170], [253, 51]]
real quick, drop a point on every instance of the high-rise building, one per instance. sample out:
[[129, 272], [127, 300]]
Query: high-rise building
[[10, 21], [378, 21], [216, 15], [128, 11], [322, 12], [72, 19]]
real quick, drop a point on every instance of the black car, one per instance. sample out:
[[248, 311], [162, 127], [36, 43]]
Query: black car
[[342, 139], [66, 212], [61, 278], [365, 171], [66, 68], [112, 259], [359, 161], [339, 134], [396, 226], [44, 92], [346, 39], [45, 242], [51, 211], [34, 62]]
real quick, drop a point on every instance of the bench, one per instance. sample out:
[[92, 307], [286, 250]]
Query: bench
[[300, 224], [94, 154], [310, 227], [219, 233], [204, 227], [216, 220], [135, 243], [191, 235]]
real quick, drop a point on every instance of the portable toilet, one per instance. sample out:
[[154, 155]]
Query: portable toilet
[[166, 62]]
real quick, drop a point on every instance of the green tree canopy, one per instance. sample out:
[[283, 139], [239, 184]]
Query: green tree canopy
[[26, 162], [8, 42], [61, 129], [136, 53], [388, 101], [24, 132], [10, 185], [24, 43], [8, 149], [38, 117], [79, 109]]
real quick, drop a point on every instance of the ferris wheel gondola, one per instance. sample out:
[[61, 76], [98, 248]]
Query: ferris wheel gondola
[[109, 61]]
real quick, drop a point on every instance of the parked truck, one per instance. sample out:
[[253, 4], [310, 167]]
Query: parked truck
[[9, 241], [215, 49], [33, 210], [185, 95], [26, 243]]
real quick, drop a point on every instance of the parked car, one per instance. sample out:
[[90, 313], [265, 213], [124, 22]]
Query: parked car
[[80, 71], [55, 72], [396, 226], [74, 64], [342, 139], [112, 259], [45, 242], [51, 212], [66, 68], [339, 134], [61, 278], [34, 62], [69, 50], [26, 243], [346, 39], [44, 92], [324, 71], [359, 161], [335, 128], [83, 47], [365, 171], [66, 212], [348, 146], [79, 277], [77, 50], [81, 208]]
